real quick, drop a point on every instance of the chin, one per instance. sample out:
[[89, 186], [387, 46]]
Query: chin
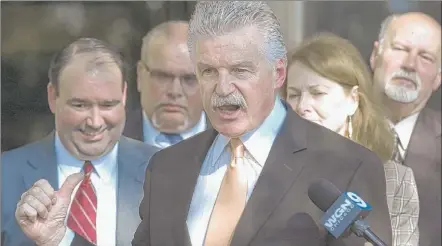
[[172, 125], [231, 129], [94, 150]]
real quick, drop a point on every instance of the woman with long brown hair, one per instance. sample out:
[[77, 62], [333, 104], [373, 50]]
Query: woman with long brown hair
[[329, 83]]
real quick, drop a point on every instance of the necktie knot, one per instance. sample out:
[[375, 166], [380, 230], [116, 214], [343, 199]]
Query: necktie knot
[[397, 140], [237, 148], [172, 138], [397, 155], [88, 168]]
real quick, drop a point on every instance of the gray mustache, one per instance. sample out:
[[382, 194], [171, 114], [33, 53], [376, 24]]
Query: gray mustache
[[407, 75], [233, 99]]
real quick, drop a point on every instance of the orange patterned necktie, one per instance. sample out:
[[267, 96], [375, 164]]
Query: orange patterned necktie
[[83, 212], [231, 199]]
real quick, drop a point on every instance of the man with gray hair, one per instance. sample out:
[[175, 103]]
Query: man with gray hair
[[406, 61], [171, 107], [245, 182]]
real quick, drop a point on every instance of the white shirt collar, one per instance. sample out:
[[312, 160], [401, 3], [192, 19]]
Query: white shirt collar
[[104, 166], [404, 129]]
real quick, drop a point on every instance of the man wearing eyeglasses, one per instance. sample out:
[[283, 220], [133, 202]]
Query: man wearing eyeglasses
[[171, 104]]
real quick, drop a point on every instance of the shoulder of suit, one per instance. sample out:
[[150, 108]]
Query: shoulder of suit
[[435, 115], [24, 150], [430, 112], [432, 119], [13, 160]]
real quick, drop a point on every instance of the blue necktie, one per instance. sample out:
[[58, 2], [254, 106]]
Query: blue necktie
[[172, 138]]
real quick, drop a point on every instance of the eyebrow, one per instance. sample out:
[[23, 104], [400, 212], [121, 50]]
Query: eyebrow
[[78, 100], [238, 64], [424, 50], [201, 64], [310, 86], [244, 64]]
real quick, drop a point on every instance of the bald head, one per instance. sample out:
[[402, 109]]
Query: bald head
[[416, 19], [171, 33], [166, 78]]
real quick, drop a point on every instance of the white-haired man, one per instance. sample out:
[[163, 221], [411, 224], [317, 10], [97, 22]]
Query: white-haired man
[[245, 182], [406, 61]]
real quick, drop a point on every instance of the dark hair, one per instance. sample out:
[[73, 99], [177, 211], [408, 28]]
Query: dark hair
[[103, 53]]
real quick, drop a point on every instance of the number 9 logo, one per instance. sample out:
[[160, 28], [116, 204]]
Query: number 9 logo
[[357, 199]]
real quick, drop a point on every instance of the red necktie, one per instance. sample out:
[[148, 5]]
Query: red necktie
[[83, 212]]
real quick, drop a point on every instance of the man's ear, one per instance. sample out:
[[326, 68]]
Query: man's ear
[[280, 73], [124, 92], [52, 96], [437, 80], [374, 54]]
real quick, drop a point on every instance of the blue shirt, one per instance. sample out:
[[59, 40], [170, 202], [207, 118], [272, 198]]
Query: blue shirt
[[257, 144], [153, 137]]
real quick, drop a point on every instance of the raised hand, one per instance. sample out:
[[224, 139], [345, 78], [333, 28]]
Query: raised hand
[[41, 211]]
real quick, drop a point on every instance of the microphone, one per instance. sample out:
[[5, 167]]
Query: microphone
[[342, 211]]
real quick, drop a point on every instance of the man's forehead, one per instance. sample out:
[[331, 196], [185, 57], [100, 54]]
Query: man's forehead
[[416, 35], [79, 70], [162, 42], [415, 26], [167, 50], [232, 48], [229, 57]]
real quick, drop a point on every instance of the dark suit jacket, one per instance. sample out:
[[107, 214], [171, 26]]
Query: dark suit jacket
[[424, 157], [23, 166], [134, 125], [301, 153]]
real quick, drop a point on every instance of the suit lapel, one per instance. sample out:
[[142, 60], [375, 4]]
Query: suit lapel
[[171, 202], [188, 179], [131, 171], [42, 163], [284, 163], [423, 142]]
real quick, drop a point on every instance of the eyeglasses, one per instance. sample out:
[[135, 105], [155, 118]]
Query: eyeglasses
[[188, 82]]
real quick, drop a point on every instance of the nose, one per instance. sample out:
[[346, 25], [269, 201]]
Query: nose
[[409, 63], [95, 120], [175, 90], [303, 105], [224, 86]]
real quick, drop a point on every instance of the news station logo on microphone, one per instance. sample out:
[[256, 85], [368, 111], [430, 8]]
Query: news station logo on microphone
[[344, 211]]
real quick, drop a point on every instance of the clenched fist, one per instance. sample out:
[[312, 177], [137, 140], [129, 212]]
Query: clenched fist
[[41, 211]]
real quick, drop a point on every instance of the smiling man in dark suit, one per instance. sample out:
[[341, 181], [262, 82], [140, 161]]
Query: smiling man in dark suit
[[171, 107], [245, 182], [87, 94]]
